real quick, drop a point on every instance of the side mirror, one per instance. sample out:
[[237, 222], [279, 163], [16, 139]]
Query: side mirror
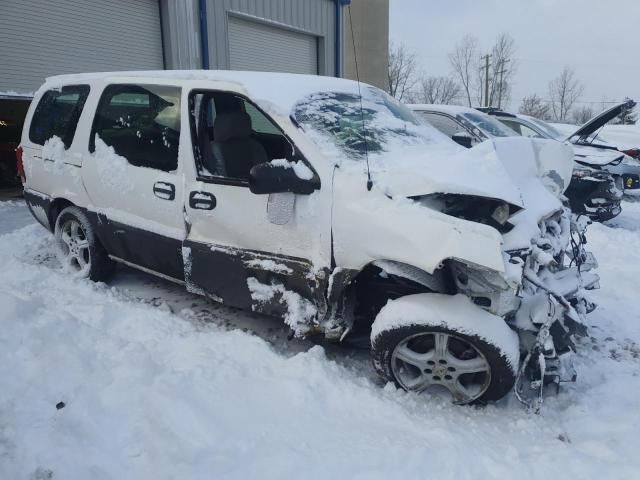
[[463, 139], [280, 178]]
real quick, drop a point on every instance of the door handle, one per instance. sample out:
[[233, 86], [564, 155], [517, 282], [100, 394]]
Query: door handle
[[164, 190], [202, 201]]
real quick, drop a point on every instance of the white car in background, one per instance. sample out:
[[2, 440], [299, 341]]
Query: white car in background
[[588, 146], [592, 192], [325, 202]]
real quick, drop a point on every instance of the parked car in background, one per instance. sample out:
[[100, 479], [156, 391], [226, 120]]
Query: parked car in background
[[286, 199], [595, 155], [592, 192], [588, 135], [9, 140]]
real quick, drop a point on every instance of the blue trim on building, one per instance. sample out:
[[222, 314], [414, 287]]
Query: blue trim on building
[[338, 40], [204, 35]]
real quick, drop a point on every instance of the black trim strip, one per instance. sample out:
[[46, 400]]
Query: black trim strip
[[224, 181]]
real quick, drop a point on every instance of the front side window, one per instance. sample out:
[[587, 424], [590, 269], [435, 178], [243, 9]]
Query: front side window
[[231, 135], [488, 124], [513, 126], [446, 125], [528, 132], [549, 129], [141, 123], [57, 114]]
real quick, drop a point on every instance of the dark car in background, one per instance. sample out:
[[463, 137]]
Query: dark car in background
[[9, 140]]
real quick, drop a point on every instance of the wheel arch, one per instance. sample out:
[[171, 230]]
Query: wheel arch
[[57, 206], [356, 296]]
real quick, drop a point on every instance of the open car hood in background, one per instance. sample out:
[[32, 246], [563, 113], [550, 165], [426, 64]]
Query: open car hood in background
[[600, 120]]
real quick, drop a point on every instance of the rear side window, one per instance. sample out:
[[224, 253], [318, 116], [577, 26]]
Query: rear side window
[[57, 114], [141, 123]]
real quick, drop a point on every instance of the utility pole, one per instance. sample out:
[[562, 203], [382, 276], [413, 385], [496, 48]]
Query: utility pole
[[486, 79], [501, 73]]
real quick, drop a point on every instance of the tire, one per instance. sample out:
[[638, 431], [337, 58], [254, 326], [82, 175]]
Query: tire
[[418, 356], [78, 248]]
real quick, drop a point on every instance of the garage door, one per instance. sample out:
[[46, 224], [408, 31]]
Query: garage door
[[40, 38], [257, 46]]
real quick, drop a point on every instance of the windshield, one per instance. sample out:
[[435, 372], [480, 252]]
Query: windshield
[[489, 125], [546, 128], [372, 124]]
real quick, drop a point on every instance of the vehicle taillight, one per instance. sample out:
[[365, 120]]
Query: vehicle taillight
[[632, 152], [20, 164]]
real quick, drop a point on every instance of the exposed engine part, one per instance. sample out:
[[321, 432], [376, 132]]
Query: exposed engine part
[[553, 310], [489, 211], [595, 193], [487, 289]]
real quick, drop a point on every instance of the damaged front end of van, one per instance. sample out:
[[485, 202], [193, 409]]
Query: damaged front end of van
[[470, 260]]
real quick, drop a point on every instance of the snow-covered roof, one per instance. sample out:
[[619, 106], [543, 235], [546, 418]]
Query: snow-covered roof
[[281, 89], [450, 109]]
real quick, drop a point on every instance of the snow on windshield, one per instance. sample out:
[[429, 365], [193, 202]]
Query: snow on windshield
[[367, 124], [488, 124]]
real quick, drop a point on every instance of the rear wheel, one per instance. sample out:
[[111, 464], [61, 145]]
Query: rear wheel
[[77, 247]]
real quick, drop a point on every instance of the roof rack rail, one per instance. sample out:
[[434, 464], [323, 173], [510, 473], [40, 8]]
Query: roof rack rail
[[495, 111]]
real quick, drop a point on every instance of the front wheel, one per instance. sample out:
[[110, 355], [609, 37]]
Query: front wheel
[[77, 247], [430, 341]]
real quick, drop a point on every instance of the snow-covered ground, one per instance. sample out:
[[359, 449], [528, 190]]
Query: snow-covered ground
[[161, 384]]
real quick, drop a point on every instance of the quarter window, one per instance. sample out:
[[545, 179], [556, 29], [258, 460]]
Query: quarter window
[[141, 123], [57, 114]]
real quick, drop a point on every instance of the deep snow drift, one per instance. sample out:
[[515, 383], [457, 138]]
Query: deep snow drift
[[162, 384]]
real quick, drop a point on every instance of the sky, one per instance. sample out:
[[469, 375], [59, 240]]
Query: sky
[[600, 39]]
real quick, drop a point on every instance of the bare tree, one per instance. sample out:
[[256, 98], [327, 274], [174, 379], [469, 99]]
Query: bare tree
[[464, 63], [564, 92], [503, 67], [469, 70], [582, 115], [402, 70], [535, 106], [438, 90]]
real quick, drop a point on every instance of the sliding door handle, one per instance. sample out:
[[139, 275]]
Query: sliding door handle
[[164, 190]]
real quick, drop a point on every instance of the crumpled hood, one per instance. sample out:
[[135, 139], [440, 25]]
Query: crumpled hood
[[595, 156], [497, 169], [477, 171]]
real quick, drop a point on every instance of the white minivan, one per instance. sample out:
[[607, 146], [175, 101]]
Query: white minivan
[[323, 201]]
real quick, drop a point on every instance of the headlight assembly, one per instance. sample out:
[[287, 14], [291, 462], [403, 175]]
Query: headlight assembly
[[489, 211]]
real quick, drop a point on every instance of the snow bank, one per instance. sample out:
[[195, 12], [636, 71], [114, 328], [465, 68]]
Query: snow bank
[[153, 395]]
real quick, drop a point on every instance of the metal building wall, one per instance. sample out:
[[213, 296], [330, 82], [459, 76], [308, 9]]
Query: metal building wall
[[40, 38], [370, 20], [181, 34], [181, 26]]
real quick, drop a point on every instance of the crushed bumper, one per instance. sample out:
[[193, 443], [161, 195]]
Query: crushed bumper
[[553, 310], [541, 296], [597, 196]]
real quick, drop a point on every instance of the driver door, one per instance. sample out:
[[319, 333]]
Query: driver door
[[269, 253]]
